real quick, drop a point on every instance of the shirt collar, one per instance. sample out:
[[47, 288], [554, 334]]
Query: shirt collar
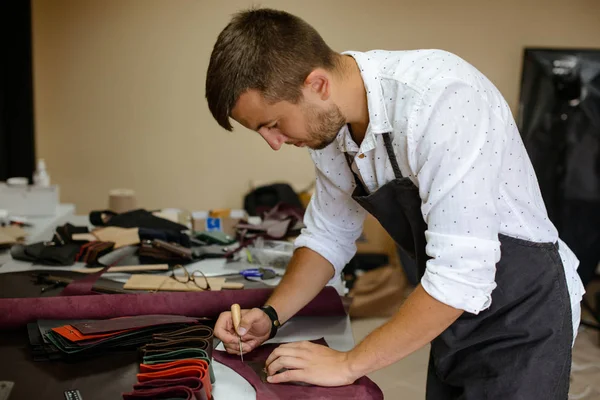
[[378, 120]]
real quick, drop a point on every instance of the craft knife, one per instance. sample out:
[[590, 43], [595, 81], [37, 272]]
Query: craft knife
[[236, 315]]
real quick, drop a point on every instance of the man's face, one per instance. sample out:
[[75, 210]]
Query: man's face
[[310, 124]]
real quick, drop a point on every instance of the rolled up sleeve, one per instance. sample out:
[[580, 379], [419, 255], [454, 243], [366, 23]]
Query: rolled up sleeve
[[333, 223], [456, 142]]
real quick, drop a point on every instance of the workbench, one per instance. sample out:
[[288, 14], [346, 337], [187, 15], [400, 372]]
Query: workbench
[[110, 375]]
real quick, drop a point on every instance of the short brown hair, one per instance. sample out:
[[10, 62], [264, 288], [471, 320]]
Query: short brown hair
[[268, 50]]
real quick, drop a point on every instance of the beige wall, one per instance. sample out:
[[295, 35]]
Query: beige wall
[[119, 84]]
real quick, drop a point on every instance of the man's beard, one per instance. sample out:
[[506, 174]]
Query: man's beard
[[322, 126]]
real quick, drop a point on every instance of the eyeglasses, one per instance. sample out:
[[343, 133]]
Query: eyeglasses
[[182, 275]]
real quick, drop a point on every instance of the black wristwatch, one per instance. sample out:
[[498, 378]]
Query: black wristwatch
[[272, 314]]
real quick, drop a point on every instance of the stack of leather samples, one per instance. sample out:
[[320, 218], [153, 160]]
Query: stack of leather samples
[[75, 340], [176, 365]]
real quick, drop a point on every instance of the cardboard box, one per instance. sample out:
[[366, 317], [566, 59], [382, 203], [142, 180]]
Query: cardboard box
[[218, 220], [29, 201]]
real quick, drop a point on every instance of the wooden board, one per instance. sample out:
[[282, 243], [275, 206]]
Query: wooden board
[[166, 283], [126, 268], [11, 234], [121, 236], [88, 237]]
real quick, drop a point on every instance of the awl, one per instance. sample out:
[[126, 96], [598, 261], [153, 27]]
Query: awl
[[236, 315]]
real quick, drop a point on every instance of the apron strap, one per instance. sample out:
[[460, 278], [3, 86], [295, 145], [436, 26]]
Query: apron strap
[[387, 139]]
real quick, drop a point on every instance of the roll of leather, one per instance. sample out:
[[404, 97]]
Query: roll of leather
[[18, 312]]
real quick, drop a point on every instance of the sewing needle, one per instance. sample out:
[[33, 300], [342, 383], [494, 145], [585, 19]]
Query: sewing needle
[[236, 315]]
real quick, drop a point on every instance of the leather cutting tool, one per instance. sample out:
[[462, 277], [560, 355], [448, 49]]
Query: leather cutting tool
[[236, 315]]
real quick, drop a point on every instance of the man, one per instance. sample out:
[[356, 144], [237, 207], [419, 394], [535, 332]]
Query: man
[[425, 143]]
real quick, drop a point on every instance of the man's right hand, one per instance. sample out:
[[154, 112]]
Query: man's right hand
[[254, 329]]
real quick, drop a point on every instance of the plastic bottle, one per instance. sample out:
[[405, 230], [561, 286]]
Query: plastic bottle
[[41, 177]]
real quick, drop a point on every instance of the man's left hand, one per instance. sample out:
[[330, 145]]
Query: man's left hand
[[309, 363]]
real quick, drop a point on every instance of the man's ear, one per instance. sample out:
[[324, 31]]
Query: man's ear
[[318, 83]]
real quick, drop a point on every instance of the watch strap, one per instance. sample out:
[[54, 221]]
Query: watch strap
[[272, 314]]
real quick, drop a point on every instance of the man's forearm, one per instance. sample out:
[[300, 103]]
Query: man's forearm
[[420, 319], [306, 275]]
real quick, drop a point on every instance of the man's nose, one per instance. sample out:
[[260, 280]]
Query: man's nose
[[275, 139]]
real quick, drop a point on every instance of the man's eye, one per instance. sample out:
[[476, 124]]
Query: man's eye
[[274, 126]]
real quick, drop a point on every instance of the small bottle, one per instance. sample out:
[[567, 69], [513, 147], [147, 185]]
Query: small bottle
[[41, 177]]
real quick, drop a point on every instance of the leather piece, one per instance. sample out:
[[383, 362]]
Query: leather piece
[[128, 340], [134, 219], [134, 322], [198, 336], [180, 344], [52, 342], [43, 253], [171, 393], [362, 389], [64, 233], [201, 331], [193, 383], [169, 236], [72, 334], [100, 378], [17, 312], [175, 355], [91, 251], [195, 371], [173, 364], [181, 355], [46, 325], [180, 366]]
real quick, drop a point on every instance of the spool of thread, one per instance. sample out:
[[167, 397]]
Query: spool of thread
[[121, 200]]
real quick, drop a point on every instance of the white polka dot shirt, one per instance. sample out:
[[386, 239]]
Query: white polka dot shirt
[[454, 136]]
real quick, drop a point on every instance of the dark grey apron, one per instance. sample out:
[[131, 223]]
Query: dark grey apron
[[520, 347]]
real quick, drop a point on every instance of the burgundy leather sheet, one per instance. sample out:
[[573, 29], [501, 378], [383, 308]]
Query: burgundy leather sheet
[[18, 312], [362, 389], [133, 322]]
